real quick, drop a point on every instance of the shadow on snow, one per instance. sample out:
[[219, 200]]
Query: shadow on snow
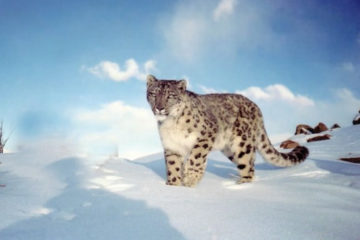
[[339, 167], [81, 213], [222, 168]]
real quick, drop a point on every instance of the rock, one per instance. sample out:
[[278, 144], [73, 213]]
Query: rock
[[352, 159], [335, 126], [303, 129], [319, 138], [321, 127], [356, 120], [288, 144]]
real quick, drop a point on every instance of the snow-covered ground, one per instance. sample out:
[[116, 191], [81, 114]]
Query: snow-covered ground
[[50, 194]]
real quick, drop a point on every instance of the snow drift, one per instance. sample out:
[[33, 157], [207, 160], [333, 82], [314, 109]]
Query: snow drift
[[52, 195]]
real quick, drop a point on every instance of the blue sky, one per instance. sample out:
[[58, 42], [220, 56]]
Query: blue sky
[[64, 63]]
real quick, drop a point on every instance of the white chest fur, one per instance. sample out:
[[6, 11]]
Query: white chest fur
[[176, 138]]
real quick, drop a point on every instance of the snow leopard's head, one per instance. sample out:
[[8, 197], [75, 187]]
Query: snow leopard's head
[[164, 96]]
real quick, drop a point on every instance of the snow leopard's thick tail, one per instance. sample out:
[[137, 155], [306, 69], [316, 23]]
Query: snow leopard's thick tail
[[271, 155]]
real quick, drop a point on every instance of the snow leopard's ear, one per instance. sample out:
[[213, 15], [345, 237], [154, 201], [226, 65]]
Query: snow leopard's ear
[[182, 85], [150, 79]]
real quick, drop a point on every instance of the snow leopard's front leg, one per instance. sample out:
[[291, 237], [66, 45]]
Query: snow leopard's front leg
[[194, 167], [174, 165]]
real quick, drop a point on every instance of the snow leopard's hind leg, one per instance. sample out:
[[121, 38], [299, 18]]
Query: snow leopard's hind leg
[[242, 154]]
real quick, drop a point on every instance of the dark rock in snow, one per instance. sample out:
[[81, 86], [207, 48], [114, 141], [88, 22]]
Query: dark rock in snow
[[319, 138], [321, 127], [352, 159], [289, 144], [356, 120], [303, 129]]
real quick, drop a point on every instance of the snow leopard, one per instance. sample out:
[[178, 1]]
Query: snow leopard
[[191, 125]]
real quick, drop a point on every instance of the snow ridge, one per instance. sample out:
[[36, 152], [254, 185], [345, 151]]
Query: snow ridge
[[62, 197]]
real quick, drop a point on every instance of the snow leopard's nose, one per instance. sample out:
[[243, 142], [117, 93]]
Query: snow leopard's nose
[[160, 110]]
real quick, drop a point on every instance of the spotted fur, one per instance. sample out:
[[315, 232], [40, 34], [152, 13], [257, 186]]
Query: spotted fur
[[192, 125]]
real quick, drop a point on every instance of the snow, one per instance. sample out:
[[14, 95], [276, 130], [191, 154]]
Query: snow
[[50, 194]]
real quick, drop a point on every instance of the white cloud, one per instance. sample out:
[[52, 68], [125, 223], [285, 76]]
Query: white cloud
[[340, 108], [283, 109], [281, 117], [188, 84], [224, 8], [184, 34], [196, 28], [208, 90], [150, 65], [276, 92], [112, 70], [117, 127], [254, 93], [345, 95], [348, 67]]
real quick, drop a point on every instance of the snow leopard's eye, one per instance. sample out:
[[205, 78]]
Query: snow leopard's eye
[[151, 94]]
